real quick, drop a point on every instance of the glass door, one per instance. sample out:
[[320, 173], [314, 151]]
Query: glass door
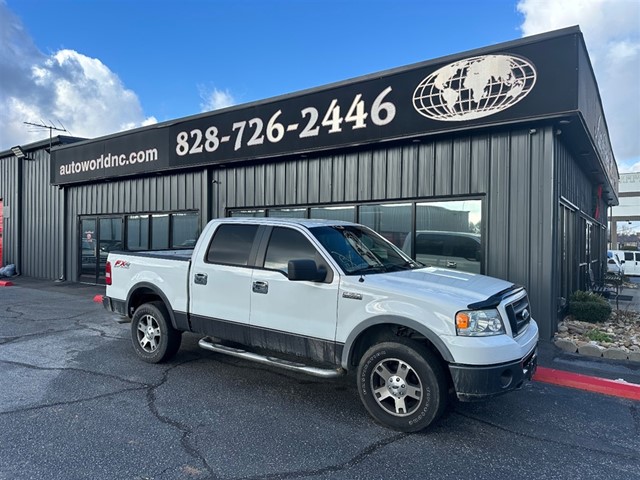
[[98, 237], [88, 251], [109, 239]]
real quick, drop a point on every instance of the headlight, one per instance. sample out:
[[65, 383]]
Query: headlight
[[479, 323]]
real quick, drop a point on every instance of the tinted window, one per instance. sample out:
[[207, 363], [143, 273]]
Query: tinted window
[[628, 256], [159, 232], [231, 244], [138, 232], [186, 229], [286, 244]]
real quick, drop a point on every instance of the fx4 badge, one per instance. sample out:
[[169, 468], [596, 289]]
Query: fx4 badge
[[121, 264]]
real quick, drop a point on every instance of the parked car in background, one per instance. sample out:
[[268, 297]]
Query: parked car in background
[[454, 250], [613, 263]]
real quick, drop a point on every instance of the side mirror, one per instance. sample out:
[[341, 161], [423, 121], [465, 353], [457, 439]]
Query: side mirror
[[305, 270]]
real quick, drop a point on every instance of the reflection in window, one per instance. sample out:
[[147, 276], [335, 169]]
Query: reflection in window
[[248, 213], [138, 232], [392, 221], [185, 230], [160, 232], [448, 234], [288, 212], [347, 214]]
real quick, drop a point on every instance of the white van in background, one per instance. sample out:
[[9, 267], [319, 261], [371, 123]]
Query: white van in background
[[630, 261]]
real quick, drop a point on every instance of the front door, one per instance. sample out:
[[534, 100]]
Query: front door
[[293, 317], [98, 236]]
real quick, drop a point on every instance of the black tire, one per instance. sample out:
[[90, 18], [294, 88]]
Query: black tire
[[154, 338], [402, 385]]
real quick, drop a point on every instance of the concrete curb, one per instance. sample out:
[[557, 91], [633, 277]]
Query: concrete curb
[[616, 388]]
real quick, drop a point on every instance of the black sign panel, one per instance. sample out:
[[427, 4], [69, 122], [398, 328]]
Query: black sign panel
[[493, 86]]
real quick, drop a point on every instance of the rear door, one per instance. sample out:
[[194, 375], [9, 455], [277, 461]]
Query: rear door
[[293, 317], [220, 282]]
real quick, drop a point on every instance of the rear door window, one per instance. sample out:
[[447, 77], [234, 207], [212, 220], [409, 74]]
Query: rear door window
[[232, 244]]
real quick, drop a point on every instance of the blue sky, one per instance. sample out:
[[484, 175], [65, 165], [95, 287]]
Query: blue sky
[[98, 67]]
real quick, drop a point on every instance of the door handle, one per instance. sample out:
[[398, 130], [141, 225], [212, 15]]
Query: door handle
[[260, 287], [451, 264], [200, 279]]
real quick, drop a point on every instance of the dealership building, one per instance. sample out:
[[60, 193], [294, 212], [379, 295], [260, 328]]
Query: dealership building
[[495, 160]]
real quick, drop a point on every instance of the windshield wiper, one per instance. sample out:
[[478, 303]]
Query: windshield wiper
[[368, 269]]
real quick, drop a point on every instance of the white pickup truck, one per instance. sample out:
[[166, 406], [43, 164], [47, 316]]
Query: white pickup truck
[[326, 298]]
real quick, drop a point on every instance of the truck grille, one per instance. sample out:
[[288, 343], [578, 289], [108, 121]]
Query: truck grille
[[519, 315]]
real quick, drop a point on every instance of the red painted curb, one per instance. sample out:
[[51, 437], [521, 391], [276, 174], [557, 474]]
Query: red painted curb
[[97, 299], [616, 388], [6, 283]]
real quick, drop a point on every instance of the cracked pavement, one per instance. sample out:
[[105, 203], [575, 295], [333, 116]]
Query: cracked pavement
[[76, 403]]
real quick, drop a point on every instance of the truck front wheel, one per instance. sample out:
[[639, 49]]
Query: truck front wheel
[[402, 385], [154, 338]]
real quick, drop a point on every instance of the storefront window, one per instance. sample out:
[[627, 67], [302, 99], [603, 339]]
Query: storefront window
[[448, 235], [247, 213], [347, 214], [288, 212], [160, 232], [392, 221], [138, 232], [186, 229]]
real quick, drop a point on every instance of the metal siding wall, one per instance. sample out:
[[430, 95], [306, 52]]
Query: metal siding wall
[[480, 163], [379, 174], [338, 179], [409, 179], [42, 220], [461, 178], [543, 274], [498, 228], [351, 176], [426, 170], [9, 195], [521, 217], [444, 167]]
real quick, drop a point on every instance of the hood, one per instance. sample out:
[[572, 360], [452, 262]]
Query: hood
[[461, 288]]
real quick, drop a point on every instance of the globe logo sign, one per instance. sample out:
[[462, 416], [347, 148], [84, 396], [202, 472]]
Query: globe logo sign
[[475, 87]]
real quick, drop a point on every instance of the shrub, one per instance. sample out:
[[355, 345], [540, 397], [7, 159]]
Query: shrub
[[598, 336], [589, 307]]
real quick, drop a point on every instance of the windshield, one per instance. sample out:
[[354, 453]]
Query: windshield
[[360, 250]]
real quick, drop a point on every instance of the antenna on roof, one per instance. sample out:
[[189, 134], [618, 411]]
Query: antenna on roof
[[51, 127]]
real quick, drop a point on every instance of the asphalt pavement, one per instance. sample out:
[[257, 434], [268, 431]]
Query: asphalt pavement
[[75, 403]]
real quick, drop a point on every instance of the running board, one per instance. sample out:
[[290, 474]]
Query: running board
[[208, 344]]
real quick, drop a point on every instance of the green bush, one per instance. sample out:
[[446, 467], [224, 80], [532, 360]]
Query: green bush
[[589, 307]]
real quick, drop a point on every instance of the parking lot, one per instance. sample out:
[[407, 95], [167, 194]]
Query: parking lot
[[75, 403]]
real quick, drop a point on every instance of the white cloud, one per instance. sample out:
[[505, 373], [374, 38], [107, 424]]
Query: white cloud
[[612, 33], [215, 99], [65, 88]]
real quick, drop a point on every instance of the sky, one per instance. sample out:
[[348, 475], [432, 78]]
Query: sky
[[98, 67]]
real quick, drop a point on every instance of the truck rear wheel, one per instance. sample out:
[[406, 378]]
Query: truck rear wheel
[[402, 385], [154, 338]]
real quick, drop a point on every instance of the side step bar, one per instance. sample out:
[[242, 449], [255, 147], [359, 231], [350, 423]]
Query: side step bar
[[208, 344]]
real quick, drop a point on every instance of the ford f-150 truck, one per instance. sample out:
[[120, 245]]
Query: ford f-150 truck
[[326, 298]]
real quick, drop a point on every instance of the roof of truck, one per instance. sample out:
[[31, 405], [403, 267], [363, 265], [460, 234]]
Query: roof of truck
[[306, 222]]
